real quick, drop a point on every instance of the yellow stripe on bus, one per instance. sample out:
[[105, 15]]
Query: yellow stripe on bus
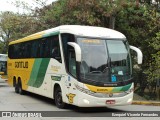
[[100, 89], [29, 38]]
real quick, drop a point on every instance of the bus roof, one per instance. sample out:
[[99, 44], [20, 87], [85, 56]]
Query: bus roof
[[88, 31]]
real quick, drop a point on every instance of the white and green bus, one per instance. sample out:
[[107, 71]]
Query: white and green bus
[[85, 66]]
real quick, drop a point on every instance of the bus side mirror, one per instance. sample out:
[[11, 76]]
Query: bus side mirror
[[77, 51], [1, 73], [139, 54]]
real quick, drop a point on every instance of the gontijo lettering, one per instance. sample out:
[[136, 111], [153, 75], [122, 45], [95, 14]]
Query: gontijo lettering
[[21, 64]]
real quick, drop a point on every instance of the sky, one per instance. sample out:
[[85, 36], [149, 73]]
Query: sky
[[8, 5]]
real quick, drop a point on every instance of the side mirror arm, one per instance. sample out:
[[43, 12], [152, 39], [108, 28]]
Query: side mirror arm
[[77, 51]]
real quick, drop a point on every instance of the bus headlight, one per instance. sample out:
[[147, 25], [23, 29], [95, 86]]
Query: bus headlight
[[129, 100], [86, 101]]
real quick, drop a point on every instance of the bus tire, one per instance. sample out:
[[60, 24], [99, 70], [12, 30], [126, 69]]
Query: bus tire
[[15, 85], [58, 98], [14, 82], [16, 88], [21, 91]]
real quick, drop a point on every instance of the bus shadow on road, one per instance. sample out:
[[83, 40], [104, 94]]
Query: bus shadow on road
[[73, 108], [92, 109]]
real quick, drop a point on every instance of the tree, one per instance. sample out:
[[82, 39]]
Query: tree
[[14, 26], [17, 25], [91, 12], [141, 24], [7, 26]]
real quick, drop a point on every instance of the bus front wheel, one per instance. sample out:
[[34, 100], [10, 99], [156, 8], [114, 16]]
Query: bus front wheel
[[58, 98]]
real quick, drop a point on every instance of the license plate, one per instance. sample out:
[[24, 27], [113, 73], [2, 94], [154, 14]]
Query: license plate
[[110, 102]]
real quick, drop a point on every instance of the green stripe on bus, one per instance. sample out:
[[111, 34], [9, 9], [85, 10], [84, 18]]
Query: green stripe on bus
[[50, 34], [117, 89], [42, 72], [34, 73], [123, 88], [38, 72]]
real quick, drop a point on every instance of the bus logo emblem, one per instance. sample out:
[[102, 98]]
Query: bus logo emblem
[[70, 97]]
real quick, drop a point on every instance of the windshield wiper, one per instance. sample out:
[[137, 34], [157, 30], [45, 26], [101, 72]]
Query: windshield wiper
[[95, 72], [106, 68]]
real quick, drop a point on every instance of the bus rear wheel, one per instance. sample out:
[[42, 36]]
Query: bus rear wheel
[[15, 85], [58, 98], [21, 91], [16, 88]]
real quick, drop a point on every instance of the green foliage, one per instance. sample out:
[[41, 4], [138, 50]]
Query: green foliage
[[7, 26], [90, 12], [1, 47], [14, 26], [141, 26], [154, 69]]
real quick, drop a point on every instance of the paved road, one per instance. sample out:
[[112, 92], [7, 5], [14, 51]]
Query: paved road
[[10, 101]]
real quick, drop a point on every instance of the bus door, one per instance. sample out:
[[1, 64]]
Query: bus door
[[72, 77]]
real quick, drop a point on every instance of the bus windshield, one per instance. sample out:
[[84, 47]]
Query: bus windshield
[[104, 61]]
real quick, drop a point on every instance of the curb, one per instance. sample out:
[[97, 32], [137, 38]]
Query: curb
[[153, 103]]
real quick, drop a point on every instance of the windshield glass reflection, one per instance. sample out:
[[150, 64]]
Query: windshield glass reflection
[[103, 58]]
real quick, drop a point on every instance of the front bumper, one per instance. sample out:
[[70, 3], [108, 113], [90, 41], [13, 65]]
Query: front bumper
[[85, 100]]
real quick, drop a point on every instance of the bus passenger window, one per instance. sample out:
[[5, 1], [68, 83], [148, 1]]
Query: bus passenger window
[[55, 49], [55, 52]]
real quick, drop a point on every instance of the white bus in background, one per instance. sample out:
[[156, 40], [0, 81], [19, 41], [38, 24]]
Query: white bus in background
[[84, 66], [3, 66]]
